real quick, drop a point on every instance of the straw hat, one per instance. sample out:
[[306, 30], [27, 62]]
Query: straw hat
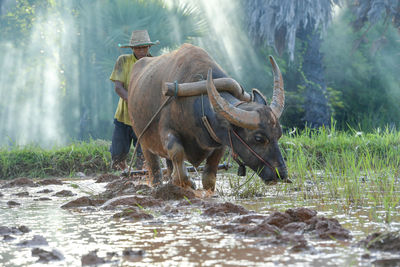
[[139, 38]]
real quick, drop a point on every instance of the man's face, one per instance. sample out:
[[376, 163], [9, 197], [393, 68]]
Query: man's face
[[141, 51]]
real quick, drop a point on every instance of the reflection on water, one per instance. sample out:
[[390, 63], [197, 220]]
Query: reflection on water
[[184, 238]]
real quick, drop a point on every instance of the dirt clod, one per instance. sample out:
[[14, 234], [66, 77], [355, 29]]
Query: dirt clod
[[224, 209], [295, 227], [301, 214], [252, 218], [22, 194], [42, 199], [131, 200], [279, 219], [8, 238], [64, 193], [13, 203], [46, 256], [83, 202], [4, 230], [173, 192], [328, 228], [133, 213], [44, 191], [92, 259], [133, 253], [107, 177], [125, 186], [36, 241], [20, 182], [50, 182], [387, 241]]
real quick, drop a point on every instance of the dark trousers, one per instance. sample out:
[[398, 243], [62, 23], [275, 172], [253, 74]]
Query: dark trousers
[[122, 138]]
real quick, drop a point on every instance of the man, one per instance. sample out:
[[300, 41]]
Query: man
[[123, 134]]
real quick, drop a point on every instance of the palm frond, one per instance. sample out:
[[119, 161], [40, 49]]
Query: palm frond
[[275, 22]]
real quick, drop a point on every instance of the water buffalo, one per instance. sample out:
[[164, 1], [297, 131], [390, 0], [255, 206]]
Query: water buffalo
[[179, 133]]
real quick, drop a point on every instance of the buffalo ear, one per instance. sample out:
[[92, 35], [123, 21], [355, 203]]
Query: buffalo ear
[[258, 97]]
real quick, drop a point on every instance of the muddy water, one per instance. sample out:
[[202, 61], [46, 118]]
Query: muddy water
[[178, 234]]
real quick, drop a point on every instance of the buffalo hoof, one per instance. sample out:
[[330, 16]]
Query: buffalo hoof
[[210, 185], [186, 183]]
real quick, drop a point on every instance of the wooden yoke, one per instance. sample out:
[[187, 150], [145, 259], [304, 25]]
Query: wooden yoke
[[200, 87]]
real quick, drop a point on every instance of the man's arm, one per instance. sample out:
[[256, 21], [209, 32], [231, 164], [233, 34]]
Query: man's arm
[[120, 90]]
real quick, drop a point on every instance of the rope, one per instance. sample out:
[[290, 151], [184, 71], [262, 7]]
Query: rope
[[144, 130], [176, 87], [252, 151]]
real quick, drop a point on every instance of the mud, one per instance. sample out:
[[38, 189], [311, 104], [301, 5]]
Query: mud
[[124, 186], [4, 230], [131, 200], [12, 203], [20, 182], [388, 241], [328, 228], [42, 199], [44, 191], [106, 178], [47, 256], [223, 209], [22, 194], [83, 202], [36, 241], [173, 192], [92, 259], [64, 193], [122, 222], [133, 213], [50, 182], [281, 225], [8, 238]]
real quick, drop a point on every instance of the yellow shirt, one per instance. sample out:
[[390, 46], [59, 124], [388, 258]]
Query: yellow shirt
[[122, 72]]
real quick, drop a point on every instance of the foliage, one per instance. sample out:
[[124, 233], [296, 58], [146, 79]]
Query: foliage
[[373, 11], [365, 80], [275, 23], [18, 19], [33, 161]]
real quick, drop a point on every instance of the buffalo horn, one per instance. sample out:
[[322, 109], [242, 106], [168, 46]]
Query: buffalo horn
[[236, 116], [278, 97]]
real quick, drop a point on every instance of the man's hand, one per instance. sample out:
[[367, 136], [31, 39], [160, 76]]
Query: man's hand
[[120, 90]]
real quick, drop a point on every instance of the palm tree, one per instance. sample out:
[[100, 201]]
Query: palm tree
[[372, 11], [277, 23]]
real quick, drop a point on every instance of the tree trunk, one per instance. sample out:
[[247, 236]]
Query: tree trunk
[[316, 108]]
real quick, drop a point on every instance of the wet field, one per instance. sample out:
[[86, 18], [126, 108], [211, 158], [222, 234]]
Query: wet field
[[123, 222]]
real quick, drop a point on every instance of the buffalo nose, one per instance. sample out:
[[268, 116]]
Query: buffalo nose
[[281, 172]]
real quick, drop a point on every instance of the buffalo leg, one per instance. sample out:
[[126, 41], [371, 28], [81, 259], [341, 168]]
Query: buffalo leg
[[209, 175], [155, 173], [170, 168], [176, 154]]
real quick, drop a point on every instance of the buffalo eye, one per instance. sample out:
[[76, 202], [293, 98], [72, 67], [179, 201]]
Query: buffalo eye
[[261, 139]]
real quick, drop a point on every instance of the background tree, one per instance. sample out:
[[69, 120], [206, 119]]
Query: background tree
[[362, 65], [278, 23], [371, 12]]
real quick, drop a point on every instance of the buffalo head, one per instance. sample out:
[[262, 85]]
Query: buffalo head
[[254, 128]]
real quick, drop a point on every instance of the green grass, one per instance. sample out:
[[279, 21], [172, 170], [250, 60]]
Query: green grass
[[33, 161], [338, 170]]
